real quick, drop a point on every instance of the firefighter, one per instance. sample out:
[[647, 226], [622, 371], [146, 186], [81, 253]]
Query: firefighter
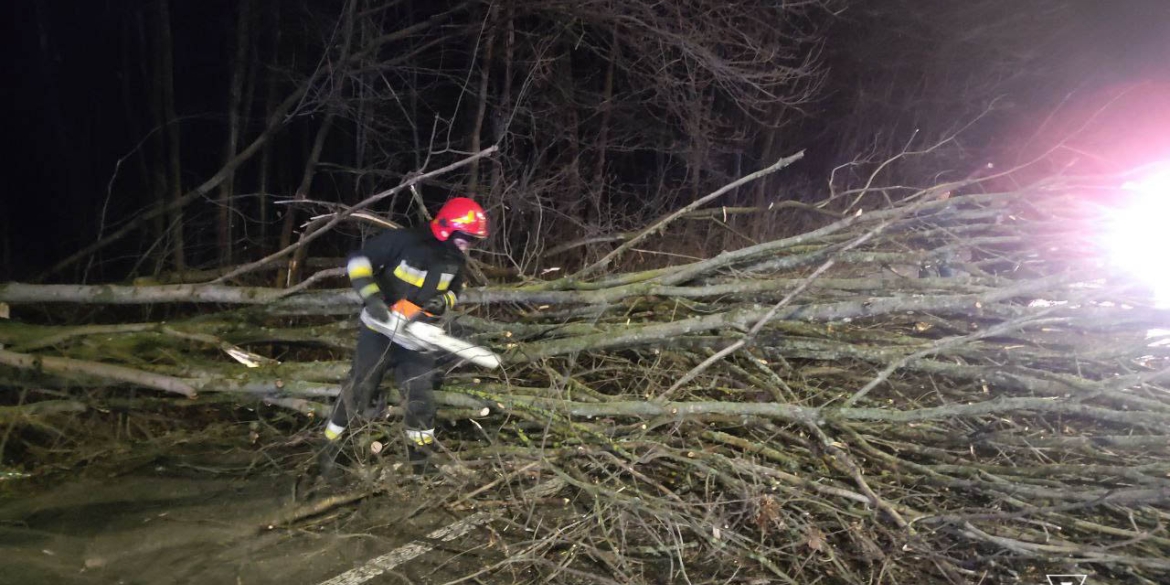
[[423, 266]]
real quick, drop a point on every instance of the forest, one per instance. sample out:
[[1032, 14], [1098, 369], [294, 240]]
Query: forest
[[812, 291]]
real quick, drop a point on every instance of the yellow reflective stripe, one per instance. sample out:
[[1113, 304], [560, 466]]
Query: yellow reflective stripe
[[369, 290], [360, 267], [410, 275], [421, 438], [332, 431], [445, 281], [450, 297]]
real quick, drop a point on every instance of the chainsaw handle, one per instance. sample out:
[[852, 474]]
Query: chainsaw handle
[[409, 310]]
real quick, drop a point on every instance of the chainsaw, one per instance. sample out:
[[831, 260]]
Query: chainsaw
[[404, 328]]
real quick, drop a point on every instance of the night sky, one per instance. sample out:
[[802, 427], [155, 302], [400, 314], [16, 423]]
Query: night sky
[[69, 121], [69, 118]]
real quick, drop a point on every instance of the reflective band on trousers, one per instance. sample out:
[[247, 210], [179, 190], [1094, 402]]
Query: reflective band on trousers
[[421, 437], [332, 431]]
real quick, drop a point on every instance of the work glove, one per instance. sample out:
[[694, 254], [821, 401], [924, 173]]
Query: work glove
[[377, 308], [436, 306]]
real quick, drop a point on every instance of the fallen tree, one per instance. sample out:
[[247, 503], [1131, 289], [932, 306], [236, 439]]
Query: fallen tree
[[948, 386]]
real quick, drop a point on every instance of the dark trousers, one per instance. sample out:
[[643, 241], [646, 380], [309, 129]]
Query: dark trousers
[[415, 375]]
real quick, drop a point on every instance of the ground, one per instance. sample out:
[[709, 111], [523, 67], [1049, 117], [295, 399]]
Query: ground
[[187, 520]]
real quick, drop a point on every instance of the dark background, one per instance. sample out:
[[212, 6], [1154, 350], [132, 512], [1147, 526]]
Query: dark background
[[895, 72]]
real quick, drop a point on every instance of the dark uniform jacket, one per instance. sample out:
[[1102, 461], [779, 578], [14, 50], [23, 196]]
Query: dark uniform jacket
[[408, 264]]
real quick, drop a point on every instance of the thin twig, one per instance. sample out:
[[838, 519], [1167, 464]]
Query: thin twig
[[662, 223], [341, 215]]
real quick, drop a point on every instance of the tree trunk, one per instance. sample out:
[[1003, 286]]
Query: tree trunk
[[292, 274], [156, 145], [6, 254], [698, 125], [574, 199], [597, 189], [235, 103], [365, 113], [760, 191], [171, 121], [483, 98], [504, 109], [130, 97], [262, 195]]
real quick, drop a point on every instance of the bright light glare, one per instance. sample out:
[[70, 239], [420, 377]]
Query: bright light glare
[[1137, 234]]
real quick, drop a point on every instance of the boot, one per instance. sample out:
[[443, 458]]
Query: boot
[[327, 459], [377, 410], [422, 460]]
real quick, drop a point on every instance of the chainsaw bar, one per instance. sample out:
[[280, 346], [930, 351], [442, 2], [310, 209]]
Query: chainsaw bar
[[421, 336]]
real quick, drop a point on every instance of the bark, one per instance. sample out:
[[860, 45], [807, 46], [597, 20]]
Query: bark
[[288, 276], [578, 203], [157, 151], [6, 228], [72, 368], [171, 123], [270, 105], [121, 295], [505, 108], [10, 415], [481, 102], [235, 108], [133, 30], [597, 186]]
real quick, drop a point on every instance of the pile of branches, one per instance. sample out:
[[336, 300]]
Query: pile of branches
[[947, 386]]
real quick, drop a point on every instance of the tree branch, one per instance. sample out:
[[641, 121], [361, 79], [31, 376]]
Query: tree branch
[[662, 223]]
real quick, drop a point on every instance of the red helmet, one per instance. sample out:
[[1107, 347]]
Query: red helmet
[[460, 215]]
